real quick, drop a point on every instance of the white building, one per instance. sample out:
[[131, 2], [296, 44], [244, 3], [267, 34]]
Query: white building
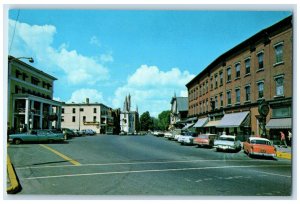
[[95, 116], [129, 120]]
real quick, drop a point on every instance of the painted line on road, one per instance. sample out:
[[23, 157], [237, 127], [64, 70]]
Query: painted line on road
[[150, 170], [134, 163], [74, 162], [263, 172]]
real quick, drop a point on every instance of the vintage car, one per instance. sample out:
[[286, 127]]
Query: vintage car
[[259, 146], [205, 140], [168, 135], [36, 136], [227, 142], [187, 138], [88, 132]]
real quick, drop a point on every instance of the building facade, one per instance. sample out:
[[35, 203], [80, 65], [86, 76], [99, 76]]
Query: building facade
[[179, 110], [30, 93], [95, 116], [226, 95], [129, 120]]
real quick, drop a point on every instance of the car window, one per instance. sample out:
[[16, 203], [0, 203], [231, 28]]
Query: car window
[[260, 142], [227, 138], [203, 136]]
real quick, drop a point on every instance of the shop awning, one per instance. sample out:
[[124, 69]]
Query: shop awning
[[233, 120], [201, 122], [187, 126], [279, 123], [212, 123]]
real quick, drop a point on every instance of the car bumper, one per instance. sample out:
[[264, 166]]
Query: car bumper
[[263, 154], [226, 147]]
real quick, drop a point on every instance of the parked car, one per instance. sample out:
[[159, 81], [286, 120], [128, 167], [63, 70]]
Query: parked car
[[187, 138], [259, 146], [168, 135], [227, 142], [68, 133], [36, 136], [205, 140], [77, 132], [158, 133], [88, 132]]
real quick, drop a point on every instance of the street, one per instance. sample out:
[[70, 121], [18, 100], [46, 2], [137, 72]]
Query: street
[[144, 166]]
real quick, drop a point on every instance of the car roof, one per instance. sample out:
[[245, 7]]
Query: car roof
[[228, 136], [258, 138]]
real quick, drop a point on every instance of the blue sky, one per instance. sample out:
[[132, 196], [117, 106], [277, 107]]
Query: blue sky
[[107, 54]]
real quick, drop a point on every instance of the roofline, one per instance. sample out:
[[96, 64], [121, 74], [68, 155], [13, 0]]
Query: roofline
[[246, 43], [84, 104], [31, 67]]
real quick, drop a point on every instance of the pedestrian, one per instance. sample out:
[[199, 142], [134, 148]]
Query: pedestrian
[[282, 139], [290, 137]]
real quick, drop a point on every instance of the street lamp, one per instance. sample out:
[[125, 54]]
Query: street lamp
[[11, 58]]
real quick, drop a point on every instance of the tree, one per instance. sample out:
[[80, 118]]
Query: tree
[[164, 120], [145, 121]]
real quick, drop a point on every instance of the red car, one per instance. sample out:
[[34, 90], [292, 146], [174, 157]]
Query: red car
[[259, 146], [205, 140]]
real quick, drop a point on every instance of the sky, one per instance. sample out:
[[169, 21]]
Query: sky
[[105, 55]]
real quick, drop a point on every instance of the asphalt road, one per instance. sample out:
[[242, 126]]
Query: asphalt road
[[144, 166]]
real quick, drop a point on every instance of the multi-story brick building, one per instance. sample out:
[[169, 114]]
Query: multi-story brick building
[[228, 91], [30, 93], [95, 116]]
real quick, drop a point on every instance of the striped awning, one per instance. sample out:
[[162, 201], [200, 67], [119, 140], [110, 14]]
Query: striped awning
[[279, 123], [201, 122], [233, 120], [187, 126], [212, 123]]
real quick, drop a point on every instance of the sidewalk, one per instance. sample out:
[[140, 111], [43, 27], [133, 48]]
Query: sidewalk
[[285, 153], [12, 183]]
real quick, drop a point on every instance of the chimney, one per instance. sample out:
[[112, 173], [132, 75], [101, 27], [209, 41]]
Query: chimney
[[87, 100]]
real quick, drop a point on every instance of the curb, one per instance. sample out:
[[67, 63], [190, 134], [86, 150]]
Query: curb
[[284, 155], [14, 183]]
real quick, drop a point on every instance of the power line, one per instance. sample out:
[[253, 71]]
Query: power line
[[14, 31]]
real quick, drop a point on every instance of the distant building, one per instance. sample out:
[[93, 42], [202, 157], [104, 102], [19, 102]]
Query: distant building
[[95, 116], [179, 110], [129, 120], [30, 93]]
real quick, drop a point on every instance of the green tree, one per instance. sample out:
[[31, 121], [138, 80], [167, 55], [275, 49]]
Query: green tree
[[146, 121], [164, 120]]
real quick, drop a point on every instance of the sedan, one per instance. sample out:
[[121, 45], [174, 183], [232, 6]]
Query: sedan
[[259, 146], [187, 138], [36, 136], [205, 140]]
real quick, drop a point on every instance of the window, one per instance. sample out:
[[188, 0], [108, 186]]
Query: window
[[211, 83], [62, 110], [279, 86], [207, 105], [247, 66], [81, 109], [84, 119], [73, 119], [74, 110], [221, 78], [247, 90], [237, 96], [237, 70], [200, 91], [216, 102], [207, 86], [228, 74], [216, 81], [62, 119], [278, 53], [95, 118], [260, 89], [260, 57], [221, 100], [228, 98], [35, 81], [95, 110]]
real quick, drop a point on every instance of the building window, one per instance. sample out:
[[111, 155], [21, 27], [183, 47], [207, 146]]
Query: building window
[[81, 109], [74, 110], [260, 89], [279, 86], [95, 118], [260, 57], [237, 70], [73, 119], [216, 102], [18, 73], [221, 100], [211, 83], [228, 74], [207, 105], [247, 90], [200, 91], [62, 110], [84, 119], [207, 86], [278, 53], [62, 119], [247, 66], [228, 98], [35, 81], [95, 110], [216, 81], [237, 96], [221, 78]]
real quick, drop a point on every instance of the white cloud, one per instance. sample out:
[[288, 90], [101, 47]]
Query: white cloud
[[80, 96], [106, 58], [151, 89], [94, 41], [35, 40]]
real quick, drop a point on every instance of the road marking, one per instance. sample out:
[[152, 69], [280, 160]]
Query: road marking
[[76, 163], [134, 163], [263, 172], [149, 170]]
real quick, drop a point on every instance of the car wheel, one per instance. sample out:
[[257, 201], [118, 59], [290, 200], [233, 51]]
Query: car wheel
[[18, 141]]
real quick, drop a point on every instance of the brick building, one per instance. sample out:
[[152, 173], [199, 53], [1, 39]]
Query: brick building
[[226, 94]]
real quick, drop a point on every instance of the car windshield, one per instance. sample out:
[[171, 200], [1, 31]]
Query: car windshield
[[260, 142], [204, 136], [226, 138]]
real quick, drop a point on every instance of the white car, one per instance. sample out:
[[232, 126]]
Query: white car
[[168, 135], [227, 142], [188, 138]]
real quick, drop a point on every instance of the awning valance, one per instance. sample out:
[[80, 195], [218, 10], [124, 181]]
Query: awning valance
[[187, 126], [212, 123], [232, 120], [201, 122], [279, 123]]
